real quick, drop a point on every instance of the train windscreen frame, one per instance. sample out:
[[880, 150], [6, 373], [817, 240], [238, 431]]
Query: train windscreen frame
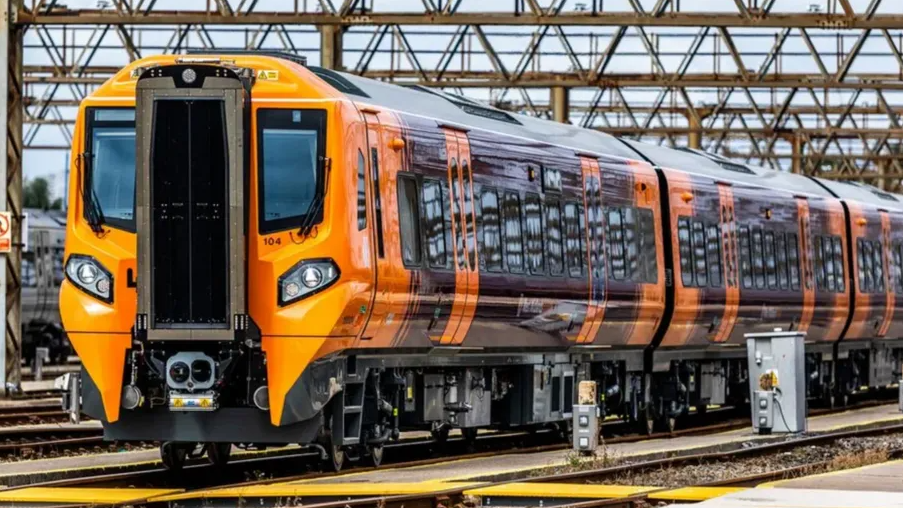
[[109, 172]]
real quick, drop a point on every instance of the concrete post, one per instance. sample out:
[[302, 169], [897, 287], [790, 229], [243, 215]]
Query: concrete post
[[561, 104], [331, 47]]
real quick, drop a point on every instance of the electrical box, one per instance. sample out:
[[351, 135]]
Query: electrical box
[[586, 419], [777, 384]]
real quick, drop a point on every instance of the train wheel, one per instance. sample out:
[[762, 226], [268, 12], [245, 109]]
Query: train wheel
[[335, 457], [670, 422], [218, 453], [470, 435], [374, 455], [173, 455], [440, 434]]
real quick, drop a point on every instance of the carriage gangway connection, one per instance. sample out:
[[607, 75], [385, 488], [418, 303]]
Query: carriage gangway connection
[[501, 480]]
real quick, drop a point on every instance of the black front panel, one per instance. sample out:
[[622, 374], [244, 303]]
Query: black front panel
[[189, 211]]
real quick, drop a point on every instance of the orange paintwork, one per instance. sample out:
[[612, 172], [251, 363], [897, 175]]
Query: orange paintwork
[[841, 305], [890, 300], [862, 304]]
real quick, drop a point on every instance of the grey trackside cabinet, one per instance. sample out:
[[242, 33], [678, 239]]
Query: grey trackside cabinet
[[777, 385], [586, 418]]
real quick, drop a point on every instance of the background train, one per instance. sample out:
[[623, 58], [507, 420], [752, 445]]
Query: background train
[[42, 274], [260, 251]]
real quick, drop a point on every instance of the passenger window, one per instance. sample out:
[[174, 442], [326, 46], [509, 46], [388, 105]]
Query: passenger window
[[616, 244], [758, 258], [878, 262], [770, 263], [629, 228], [780, 246], [745, 258], [793, 259], [713, 252], [838, 265], [533, 214], [572, 236], [683, 240], [409, 221], [553, 238], [647, 249], [699, 263], [514, 247], [898, 258], [491, 253], [434, 223], [361, 191]]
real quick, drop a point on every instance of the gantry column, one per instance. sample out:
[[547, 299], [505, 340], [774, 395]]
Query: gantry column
[[11, 113], [561, 104], [331, 47]]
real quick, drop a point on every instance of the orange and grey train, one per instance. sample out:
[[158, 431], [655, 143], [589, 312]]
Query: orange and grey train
[[260, 251]]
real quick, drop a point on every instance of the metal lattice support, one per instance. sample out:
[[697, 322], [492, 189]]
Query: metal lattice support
[[818, 92]]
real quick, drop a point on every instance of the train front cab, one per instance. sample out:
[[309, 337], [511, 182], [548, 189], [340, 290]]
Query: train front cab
[[173, 312]]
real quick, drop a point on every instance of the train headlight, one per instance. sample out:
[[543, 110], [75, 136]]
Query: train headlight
[[306, 278], [90, 276]]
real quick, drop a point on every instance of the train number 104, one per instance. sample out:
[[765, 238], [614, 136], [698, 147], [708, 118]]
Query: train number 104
[[272, 241]]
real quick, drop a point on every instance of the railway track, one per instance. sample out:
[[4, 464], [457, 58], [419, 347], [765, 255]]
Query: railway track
[[15, 416]]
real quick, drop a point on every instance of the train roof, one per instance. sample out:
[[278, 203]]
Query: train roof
[[854, 191], [466, 112]]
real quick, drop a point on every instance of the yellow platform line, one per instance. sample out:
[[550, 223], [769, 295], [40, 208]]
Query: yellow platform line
[[779, 483], [693, 493], [72, 495], [319, 490], [560, 490]]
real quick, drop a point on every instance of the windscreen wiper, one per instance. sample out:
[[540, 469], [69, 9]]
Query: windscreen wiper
[[93, 213], [316, 206]]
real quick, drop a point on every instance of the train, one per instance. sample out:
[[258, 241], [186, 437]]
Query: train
[[261, 251]]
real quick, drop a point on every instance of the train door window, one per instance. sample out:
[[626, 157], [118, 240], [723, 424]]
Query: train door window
[[699, 262], [713, 252], [572, 235], [828, 258], [377, 201], [361, 191], [553, 238], [820, 278], [491, 253], [434, 223], [469, 226], [631, 256], [533, 215], [582, 238], [758, 258], [745, 258], [647, 250], [616, 244], [686, 256], [409, 220], [514, 247], [770, 262], [838, 265], [865, 266], [898, 258], [459, 232], [878, 263], [780, 245], [793, 259]]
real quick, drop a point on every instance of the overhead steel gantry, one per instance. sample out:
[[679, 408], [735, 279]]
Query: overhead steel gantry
[[812, 87]]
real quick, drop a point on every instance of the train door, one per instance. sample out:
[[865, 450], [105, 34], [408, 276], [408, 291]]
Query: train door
[[380, 298], [592, 204], [806, 259], [886, 260], [730, 263], [463, 234]]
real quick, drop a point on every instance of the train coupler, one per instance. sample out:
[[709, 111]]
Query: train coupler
[[69, 385]]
